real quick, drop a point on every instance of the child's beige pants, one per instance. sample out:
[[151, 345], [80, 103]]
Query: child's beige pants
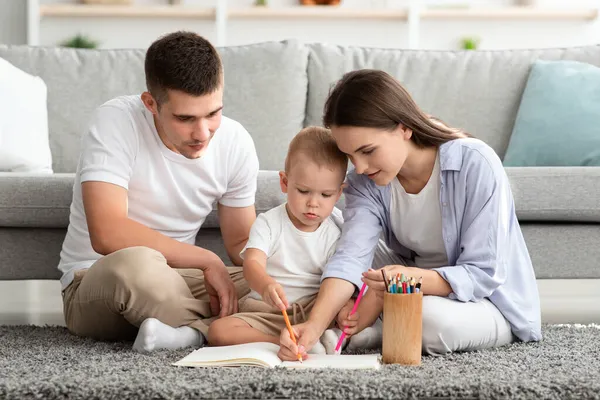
[[269, 320], [116, 294]]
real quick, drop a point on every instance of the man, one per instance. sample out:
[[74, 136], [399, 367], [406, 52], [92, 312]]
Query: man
[[150, 170]]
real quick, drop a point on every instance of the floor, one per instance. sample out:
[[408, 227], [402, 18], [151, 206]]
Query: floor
[[39, 302]]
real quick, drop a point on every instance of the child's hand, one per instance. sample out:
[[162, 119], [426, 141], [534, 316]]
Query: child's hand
[[344, 319], [307, 336], [274, 295]]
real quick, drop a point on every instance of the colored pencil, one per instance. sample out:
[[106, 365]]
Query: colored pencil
[[384, 279], [360, 295], [289, 326]]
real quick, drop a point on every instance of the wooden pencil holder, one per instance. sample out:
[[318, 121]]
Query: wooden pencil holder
[[402, 328]]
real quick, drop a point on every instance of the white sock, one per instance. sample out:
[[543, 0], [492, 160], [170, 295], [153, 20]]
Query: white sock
[[368, 338], [154, 335], [330, 339]]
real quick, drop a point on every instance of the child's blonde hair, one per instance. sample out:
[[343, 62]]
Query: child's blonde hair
[[319, 146]]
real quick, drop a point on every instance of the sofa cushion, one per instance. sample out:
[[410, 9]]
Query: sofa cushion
[[30, 200], [478, 91], [24, 144], [556, 193], [541, 194], [78, 81], [557, 122], [35, 200], [30, 253], [265, 90], [568, 251], [563, 251]]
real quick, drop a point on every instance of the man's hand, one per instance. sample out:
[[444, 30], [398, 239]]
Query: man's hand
[[344, 319], [274, 296], [306, 334], [221, 290]]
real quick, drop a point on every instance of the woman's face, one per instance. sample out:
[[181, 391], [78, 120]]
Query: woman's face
[[377, 153]]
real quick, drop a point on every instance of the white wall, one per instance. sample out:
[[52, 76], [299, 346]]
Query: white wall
[[510, 34], [13, 14], [120, 32], [434, 34]]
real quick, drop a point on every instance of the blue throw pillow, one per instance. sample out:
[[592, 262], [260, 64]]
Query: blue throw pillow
[[558, 122]]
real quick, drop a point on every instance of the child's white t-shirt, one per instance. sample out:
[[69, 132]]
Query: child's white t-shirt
[[165, 191], [295, 259]]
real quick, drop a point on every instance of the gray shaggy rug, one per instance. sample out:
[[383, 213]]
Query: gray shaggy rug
[[50, 363]]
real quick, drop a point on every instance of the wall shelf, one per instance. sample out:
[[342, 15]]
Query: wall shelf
[[151, 11], [508, 13], [413, 15], [129, 11], [317, 12]]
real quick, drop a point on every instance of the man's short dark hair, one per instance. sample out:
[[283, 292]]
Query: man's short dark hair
[[182, 61]]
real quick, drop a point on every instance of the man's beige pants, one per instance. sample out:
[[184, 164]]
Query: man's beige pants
[[116, 294]]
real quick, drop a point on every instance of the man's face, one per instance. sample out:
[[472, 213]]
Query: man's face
[[186, 123]]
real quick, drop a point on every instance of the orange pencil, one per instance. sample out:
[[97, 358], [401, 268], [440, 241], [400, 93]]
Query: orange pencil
[[289, 326]]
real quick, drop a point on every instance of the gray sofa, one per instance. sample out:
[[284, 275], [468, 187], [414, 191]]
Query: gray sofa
[[275, 89]]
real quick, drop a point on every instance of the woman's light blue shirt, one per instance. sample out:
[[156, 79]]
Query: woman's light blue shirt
[[487, 255]]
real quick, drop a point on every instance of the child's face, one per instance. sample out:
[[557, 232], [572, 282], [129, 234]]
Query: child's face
[[312, 192]]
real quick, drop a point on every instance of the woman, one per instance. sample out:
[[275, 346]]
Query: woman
[[443, 203]]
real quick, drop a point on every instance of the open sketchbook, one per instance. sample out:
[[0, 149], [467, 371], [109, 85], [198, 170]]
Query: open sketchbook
[[265, 355]]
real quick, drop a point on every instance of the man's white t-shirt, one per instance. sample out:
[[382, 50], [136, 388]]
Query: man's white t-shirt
[[295, 259], [416, 220], [165, 191]]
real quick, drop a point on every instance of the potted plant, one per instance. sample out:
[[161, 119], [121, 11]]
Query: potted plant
[[80, 41], [470, 43]]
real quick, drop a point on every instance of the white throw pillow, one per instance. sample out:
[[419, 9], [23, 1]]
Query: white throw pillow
[[24, 144]]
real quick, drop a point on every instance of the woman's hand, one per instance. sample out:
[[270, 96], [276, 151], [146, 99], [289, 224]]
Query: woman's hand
[[274, 296], [344, 319], [374, 279]]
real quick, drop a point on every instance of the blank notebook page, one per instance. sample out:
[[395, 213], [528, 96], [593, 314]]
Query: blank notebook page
[[363, 361], [262, 354], [265, 355]]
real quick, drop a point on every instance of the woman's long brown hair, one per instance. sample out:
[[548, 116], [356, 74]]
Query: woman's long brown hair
[[374, 99]]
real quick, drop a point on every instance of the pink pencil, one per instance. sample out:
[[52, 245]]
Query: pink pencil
[[360, 295]]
